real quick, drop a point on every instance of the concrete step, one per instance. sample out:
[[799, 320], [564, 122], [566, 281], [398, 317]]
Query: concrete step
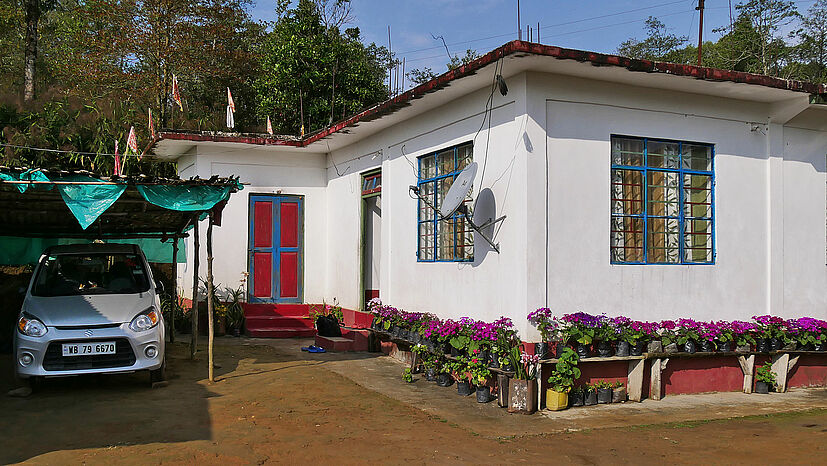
[[335, 344], [278, 321], [277, 332]]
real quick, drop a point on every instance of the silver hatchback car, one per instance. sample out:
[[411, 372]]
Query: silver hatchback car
[[91, 309]]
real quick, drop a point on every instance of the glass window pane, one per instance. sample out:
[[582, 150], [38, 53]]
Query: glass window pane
[[442, 187], [465, 155], [627, 152], [426, 241], [663, 240], [697, 196], [663, 193], [627, 192], [698, 241], [662, 154], [445, 162], [427, 166], [626, 240], [426, 190], [697, 157], [445, 239]]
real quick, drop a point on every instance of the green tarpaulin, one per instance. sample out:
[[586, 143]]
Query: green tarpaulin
[[21, 251]]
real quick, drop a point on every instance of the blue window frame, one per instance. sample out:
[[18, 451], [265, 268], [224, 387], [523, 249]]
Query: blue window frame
[[662, 202], [450, 239]]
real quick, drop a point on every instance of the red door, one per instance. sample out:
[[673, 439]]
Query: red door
[[275, 254]]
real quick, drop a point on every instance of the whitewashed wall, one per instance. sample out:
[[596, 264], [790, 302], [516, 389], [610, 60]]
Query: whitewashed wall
[[581, 116]]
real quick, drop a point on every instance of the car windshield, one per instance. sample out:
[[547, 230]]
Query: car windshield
[[87, 274]]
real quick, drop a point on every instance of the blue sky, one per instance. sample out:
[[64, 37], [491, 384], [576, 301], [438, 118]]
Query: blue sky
[[482, 25]]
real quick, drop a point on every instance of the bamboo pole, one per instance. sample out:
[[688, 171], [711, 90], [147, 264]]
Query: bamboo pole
[[174, 292], [194, 312], [210, 304]]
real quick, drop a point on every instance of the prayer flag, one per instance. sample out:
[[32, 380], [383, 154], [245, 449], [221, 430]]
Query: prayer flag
[[176, 93]]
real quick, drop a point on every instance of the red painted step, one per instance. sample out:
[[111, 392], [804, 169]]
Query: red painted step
[[286, 310], [281, 332], [278, 321]]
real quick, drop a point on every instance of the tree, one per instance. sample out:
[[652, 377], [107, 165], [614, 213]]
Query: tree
[[658, 45], [766, 18], [421, 75], [425, 74], [812, 48], [311, 69], [457, 61]]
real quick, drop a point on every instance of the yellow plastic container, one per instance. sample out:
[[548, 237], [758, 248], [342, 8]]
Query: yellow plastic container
[[556, 401]]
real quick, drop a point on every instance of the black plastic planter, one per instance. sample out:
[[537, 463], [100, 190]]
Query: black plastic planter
[[444, 380], [763, 345], [762, 388], [689, 347], [577, 398], [446, 348], [820, 347], [623, 349], [454, 351], [707, 346], [604, 349], [559, 348], [430, 374], [604, 395], [637, 348], [483, 356], [590, 398], [775, 344], [483, 395], [464, 388], [541, 349], [584, 351], [724, 346]]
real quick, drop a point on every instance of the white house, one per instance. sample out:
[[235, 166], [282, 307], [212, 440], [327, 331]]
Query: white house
[[629, 187]]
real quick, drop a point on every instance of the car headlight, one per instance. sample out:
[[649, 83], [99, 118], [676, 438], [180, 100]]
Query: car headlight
[[145, 320], [28, 325]]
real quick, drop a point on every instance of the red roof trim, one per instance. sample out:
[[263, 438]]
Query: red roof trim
[[646, 66]]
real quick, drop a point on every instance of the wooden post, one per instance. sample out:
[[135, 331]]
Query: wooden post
[[174, 291], [655, 386], [210, 304], [635, 379], [748, 368], [194, 311]]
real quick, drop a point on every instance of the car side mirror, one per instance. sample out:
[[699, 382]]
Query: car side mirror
[[159, 287]]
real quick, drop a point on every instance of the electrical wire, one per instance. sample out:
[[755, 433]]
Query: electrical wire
[[43, 149]]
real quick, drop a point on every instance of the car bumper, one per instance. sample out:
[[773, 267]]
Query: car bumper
[[47, 360]]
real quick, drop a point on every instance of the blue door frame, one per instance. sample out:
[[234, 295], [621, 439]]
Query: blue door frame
[[293, 253]]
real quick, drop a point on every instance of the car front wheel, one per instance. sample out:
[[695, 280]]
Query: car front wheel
[[159, 374]]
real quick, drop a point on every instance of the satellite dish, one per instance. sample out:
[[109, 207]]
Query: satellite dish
[[458, 191]]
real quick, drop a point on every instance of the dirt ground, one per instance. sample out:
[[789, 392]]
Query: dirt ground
[[275, 404]]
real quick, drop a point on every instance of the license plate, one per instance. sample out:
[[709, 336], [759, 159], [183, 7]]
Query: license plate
[[89, 349]]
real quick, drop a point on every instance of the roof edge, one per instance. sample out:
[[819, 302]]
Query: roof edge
[[516, 46]]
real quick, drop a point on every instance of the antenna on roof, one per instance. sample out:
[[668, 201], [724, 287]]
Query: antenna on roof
[[453, 202]]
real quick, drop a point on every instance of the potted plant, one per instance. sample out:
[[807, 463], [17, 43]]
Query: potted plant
[[235, 310], [407, 375], [768, 332], [576, 396], [668, 332], [562, 379], [726, 336], [764, 379], [522, 390], [618, 392], [607, 334], [543, 320], [688, 333], [480, 377], [604, 392], [708, 332], [743, 334], [581, 329], [589, 395]]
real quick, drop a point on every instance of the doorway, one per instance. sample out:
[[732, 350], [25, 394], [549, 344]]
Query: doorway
[[371, 235], [275, 249]]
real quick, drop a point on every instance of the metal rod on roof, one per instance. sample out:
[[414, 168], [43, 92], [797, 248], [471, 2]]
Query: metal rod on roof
[[700, 8], [519, 27]]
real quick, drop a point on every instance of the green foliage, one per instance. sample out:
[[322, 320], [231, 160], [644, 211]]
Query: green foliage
[[308, 64], [659, 43], [565, 371], [174, 312], [765, 374], [407, 375], [334, 310], [235, 309], [480, 373]]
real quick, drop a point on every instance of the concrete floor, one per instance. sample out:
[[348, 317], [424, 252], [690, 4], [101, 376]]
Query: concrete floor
[[383, 375]]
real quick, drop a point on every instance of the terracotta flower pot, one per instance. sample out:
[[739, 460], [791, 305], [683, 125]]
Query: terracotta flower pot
[[522, 396]]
